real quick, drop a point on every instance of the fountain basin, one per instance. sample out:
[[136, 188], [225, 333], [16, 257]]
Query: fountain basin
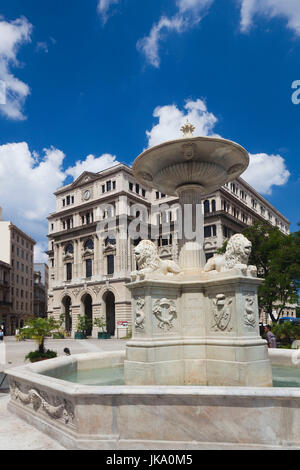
[[208, 162], [150, 417]]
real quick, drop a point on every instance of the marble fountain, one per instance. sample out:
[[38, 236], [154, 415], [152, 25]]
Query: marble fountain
[[196, 373]]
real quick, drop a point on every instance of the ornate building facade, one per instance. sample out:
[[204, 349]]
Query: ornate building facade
[[90, 262]]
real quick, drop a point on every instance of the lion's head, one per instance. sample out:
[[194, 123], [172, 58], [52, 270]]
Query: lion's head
[[238, 250], [146, 254]]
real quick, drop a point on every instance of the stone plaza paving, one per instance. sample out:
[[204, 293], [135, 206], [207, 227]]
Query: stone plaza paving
[[16, 434]]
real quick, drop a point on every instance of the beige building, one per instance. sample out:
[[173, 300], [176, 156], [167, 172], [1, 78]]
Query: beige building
[[5, 295], [16, 250], [89, 267]]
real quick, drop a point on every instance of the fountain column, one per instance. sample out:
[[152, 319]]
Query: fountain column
[[191, 226]]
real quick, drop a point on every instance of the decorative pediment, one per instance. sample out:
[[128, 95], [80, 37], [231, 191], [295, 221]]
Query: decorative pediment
[[109, 247], [87, 253], [86, 177], [68, 256]]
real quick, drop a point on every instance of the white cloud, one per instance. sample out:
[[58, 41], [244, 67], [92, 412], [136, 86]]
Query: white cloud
[[264, 171], [12, 36], [28, 181], [104, 7], [27, 185], [189, 13], [93, 164], [287, 9], [171, 118], [39, 253], [42, 47]]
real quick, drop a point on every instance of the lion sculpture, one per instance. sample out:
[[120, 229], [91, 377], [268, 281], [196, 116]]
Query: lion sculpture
[[236, 257], [149, 262]]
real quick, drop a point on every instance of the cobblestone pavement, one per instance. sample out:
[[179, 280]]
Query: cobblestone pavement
[[16, 434]]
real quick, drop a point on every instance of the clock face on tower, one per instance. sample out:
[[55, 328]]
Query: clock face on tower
[[87, 195]]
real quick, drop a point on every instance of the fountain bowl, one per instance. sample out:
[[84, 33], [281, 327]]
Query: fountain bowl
[[206, 162]]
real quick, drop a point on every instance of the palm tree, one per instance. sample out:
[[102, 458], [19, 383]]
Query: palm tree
[[38, 329]]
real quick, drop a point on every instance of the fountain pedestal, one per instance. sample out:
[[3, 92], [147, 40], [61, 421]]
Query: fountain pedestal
[[202, 332], [195, 327]]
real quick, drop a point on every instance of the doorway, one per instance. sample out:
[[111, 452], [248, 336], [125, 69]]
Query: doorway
[[109, 300]]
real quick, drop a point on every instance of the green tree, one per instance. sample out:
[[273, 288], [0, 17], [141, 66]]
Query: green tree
[[277, 257], [100, 322], [38, 329], [83, 324]]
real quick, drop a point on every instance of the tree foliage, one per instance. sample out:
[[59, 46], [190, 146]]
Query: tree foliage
[[277, 257], [83, 324]]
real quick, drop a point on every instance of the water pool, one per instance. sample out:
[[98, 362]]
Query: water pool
[[282, 376], [105, 376]]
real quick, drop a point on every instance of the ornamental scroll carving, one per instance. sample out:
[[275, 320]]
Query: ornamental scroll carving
[[139, 314], [63, 411], [221, 313], [250, 311], [165, 312]]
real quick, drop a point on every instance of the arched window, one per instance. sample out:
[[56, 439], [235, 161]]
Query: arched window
[[206, 206], [89, 244], [69, 248]]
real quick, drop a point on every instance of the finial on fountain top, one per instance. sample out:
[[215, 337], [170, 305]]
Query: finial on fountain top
[[187, 129]]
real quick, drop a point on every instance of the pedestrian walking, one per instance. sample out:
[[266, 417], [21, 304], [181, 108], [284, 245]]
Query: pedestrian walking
[[270, 337]]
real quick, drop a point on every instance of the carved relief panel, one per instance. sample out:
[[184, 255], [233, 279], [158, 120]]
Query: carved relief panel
[[221, 312], [139, 314], [250, 310], [165, 313]]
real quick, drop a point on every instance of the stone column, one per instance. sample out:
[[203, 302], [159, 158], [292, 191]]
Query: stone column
[[96, 270], [75, 313], [191, 253]]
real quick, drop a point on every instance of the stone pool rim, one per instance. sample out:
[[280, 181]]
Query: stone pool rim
[[101, 415]]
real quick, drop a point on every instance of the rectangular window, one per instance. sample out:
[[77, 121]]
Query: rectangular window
[[110, 264], [131, 186], [89, 268], [68, 200], [69, 271], [143, 193], [108, 185], [207, 231], [103, 188], [137, 188], [72, 198], [114, 185]]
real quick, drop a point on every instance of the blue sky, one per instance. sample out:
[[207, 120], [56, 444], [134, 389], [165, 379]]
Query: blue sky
[[92, 83]]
